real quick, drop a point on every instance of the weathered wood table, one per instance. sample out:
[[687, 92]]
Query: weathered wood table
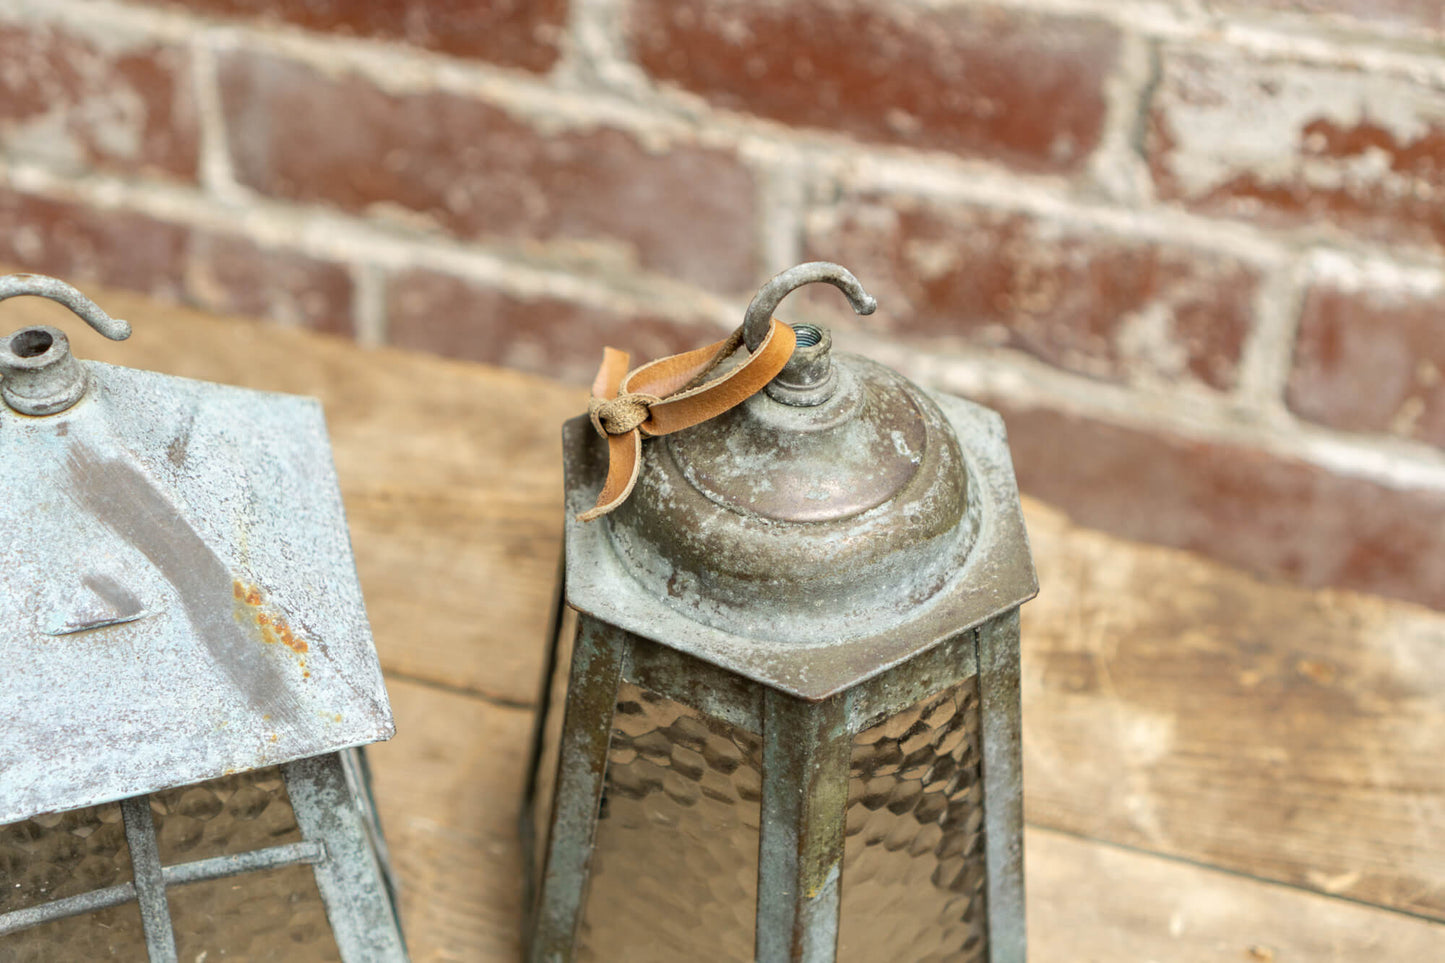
[[1216, 768]]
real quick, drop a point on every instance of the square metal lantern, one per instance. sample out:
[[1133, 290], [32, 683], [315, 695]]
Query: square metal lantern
[[781, 720], [187, 671]]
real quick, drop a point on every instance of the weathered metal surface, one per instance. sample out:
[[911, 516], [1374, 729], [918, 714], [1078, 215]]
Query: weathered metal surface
[[816, 561], [40, 375], [807, 747], [216, 867], [783, 634], [1003, 786], [760, 310], [178, 597], [334, 809], [598, 656], [150, 885]]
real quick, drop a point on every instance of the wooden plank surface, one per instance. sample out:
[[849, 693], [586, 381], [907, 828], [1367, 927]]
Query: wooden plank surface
[[1170, 703]]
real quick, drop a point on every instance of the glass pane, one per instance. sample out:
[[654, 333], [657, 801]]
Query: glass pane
[[63, 854], [233, 814], [112, 934], [276, 915], [675, 870], [913, 863]]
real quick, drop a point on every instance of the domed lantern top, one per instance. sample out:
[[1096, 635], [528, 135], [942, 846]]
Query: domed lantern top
[[826, 528], [791, 725]]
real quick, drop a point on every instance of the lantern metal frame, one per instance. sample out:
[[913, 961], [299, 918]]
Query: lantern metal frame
[[807, 702], [160, 535], [331, 797]]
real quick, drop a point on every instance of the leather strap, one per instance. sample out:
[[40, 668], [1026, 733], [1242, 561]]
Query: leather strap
[[670, 394]]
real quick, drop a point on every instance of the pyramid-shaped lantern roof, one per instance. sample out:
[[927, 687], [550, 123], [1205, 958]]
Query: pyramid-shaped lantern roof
[[178, 596]]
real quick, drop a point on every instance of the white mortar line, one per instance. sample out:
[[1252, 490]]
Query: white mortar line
[[1117, 167], [597, 52], [983, 185], [1354, 272], [1319, 38], [216, 173], [368, 307], [1188, 413], [1268, 354]]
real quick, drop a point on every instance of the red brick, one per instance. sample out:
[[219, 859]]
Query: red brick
[[478, 172], [1299, 145], [515, 33], [124, 249], [550, 336], [87, 245], [949, 275], [1273, 516], [78, 103], [1372, 361], [1026, 88], [233, 275]]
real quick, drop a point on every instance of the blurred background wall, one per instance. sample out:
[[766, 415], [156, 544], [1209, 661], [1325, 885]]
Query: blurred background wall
[[1194, 250]]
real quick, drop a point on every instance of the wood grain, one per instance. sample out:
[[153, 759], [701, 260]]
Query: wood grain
[[1171, 704], [1183, 707]]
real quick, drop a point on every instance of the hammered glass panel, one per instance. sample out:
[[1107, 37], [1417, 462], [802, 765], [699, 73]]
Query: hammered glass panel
[[545, 778], [274, 916], [233, 814], [63, 854], [114, 935], [913, 860], [675, 866]]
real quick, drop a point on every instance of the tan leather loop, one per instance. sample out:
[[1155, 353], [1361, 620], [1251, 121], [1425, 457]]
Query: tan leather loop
[[670, 394]]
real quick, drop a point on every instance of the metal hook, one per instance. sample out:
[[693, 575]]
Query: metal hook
[[765, 302], [16, 285]]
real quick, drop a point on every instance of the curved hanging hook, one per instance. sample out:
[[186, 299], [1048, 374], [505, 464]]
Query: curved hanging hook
[[765, 302], [16, 285]]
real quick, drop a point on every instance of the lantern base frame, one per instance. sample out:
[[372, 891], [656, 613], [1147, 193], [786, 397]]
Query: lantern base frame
[[331, 800]]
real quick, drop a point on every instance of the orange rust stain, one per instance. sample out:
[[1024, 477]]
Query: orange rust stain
[[338, 717], [272, 737], [272, 626]]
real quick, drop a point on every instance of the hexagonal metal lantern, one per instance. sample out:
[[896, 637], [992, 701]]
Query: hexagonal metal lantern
[[781, 720], [187, 670]]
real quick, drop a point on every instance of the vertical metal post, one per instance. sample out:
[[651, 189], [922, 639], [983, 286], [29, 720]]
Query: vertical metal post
[[350, 877], [528, 818], [1000, 716], [597, 661], [807, 748], [150, 886]]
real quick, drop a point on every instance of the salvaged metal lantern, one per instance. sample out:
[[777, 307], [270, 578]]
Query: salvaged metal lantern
[[185, 666], [782, 716]]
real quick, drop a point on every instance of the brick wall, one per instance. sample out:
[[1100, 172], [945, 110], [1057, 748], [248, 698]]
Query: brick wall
[[1193, 249]]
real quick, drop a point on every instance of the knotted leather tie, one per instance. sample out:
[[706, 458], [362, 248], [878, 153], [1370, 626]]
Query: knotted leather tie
[[670, 394]]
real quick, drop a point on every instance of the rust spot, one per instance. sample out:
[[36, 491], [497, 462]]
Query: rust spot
[[338, 717], [271, 624], [272, 737]]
